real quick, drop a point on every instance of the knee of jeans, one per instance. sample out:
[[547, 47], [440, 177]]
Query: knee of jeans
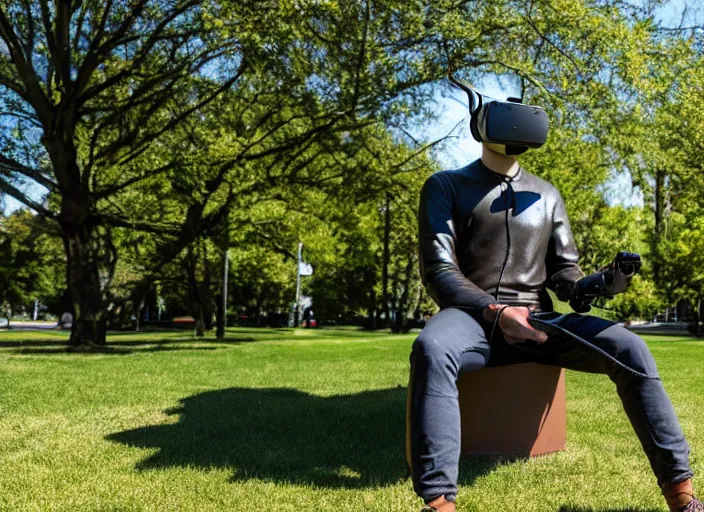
[[430, 353], [632, 351]]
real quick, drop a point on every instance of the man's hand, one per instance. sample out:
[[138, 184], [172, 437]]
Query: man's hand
[[514, 324]]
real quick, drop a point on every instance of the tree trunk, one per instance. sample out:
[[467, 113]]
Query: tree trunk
[[659, 212], [200, 320], [208, 314], [221, 321], [219, 318], [138, 314], [83, 282], [371, 310], [385, 262], [204, 290], [401, 322], [195, 304], [81, 238]]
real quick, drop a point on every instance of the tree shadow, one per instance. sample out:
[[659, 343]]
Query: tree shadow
[[285, 435], [260, 330], [566, 508], [107, 350], [117, 344], [121, 347], [49, 342]]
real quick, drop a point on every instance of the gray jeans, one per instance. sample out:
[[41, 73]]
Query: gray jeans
[[453, 342]]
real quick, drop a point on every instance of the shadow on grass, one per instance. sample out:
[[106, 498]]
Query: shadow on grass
[[50, 342], [565, 508], [121, 347], [109, 350], [147, 341], [285, 435]]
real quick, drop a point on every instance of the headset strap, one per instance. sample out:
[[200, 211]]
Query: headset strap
[[471, 92]]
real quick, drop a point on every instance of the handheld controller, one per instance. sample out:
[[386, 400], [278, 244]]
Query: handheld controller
[[606, 282]]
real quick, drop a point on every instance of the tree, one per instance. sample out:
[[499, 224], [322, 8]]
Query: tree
[[87, 88], [654, 138], [102, 97], [677, 202], [373, 268], [31, 263]]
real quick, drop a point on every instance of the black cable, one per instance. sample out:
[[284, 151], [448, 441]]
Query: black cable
[[509, 189], [553, 326], [497, 318]]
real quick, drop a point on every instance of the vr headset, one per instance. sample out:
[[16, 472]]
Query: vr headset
[[508, 127]]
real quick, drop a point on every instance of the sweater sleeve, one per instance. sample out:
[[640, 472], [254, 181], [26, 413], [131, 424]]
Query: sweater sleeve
[[439, 269], [561, 261]]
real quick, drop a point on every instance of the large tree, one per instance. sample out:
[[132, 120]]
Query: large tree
[[101, 97], [88, 87]]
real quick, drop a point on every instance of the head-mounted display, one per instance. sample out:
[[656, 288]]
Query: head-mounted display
[[509, 127]]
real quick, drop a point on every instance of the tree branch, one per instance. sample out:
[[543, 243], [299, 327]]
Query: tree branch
[[547, 40], [34, 94], [108, 191], [79, 25], [296, 141], [22, 198], [273, 245], [139, 147], [519, 71], [427, 147], [11, 165], [48, 32], [62, 22], [29, 43], [21, 114], [118, 222], [15, 87], [98, 52], [154, 37]]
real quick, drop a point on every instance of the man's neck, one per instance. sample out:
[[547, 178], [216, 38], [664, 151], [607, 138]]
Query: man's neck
[[500, 164]]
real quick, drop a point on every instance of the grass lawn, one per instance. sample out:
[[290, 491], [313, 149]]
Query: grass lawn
[[288, 420]]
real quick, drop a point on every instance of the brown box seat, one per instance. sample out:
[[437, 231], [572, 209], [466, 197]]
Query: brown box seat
[[516, 410]]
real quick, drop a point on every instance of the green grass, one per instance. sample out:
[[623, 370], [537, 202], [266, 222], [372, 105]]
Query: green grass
[[287, 420]]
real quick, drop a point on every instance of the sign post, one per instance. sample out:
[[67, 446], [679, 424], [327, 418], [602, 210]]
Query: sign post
[[296, 318]]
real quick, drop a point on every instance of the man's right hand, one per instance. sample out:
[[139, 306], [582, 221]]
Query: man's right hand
[[514, 324]]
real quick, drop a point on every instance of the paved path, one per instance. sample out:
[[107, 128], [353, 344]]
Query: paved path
[[29, 326]]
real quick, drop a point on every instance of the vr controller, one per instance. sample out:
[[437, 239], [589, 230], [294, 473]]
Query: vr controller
[[606, 282]]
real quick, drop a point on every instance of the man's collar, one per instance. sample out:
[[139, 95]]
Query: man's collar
[[498, 175]]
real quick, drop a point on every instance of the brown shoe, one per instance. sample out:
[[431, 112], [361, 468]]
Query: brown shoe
[[680, 497], [441, 504]]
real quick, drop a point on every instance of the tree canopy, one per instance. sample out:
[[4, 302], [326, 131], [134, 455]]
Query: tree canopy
[[152, 137]]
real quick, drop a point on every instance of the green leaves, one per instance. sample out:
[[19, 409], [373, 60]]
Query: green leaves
[[172, 124], [32, 266]]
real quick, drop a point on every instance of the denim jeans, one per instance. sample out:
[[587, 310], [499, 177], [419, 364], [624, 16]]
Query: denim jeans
[[453, 342]]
